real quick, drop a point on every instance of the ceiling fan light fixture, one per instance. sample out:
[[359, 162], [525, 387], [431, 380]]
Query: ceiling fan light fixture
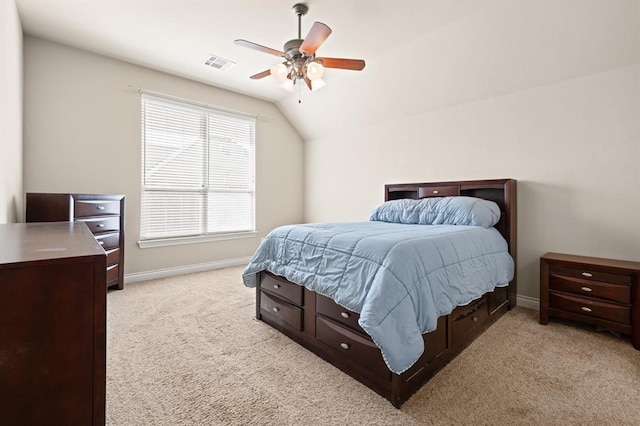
[[280, 72], [300, 57], [317, 84], [315, 70], [287, 85]]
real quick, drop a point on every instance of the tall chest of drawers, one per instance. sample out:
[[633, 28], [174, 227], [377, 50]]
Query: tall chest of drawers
[[103, 214], [602, 292]]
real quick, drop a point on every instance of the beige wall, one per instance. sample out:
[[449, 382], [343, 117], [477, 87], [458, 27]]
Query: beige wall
[[546, 93], [82, 134], [10, 113]]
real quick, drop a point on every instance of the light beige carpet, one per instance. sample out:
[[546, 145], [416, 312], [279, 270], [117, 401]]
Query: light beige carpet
[[188, 351]]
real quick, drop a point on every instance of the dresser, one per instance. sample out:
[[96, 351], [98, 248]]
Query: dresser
[[52, 325], [103, 215], [598, 291]]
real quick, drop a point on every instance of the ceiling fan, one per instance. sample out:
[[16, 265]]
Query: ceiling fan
[[301, 62]]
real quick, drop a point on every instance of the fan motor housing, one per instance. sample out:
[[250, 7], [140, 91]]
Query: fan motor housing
[[292, 47]]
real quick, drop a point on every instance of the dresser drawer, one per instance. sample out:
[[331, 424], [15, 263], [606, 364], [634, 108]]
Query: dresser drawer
[[616, 292], [113, 256], [330, 309], [103, 224], [586, 273], [109, 241], [86, 208], [590, 307], [280, 311], [438, 191], [465, 318], [279, 286], [351, 344], [112, 273]]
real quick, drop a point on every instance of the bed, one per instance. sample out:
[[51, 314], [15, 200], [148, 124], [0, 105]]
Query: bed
[[373, 325]]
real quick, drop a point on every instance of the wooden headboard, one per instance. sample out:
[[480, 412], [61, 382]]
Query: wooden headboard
[[501, 191]]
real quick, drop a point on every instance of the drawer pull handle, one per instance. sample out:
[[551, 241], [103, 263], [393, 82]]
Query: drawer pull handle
[[587, 274], [101, 243], [587, 289], [345, 314], [275, 309], [474, 319], [344, 345], [584, 308], [276, 286], [436, 191], [101, 225], [100, 207]]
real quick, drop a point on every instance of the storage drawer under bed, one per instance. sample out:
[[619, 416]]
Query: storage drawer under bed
[[280, 311], [327, 307], [465, 318], [281, 287], [352, 345]]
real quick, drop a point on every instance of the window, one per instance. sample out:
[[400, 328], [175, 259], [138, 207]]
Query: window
[[197, 172]]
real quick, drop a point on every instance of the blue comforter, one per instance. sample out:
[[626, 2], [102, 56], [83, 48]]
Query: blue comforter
[[400, 278]]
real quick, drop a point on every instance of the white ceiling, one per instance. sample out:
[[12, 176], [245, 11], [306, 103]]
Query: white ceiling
[[421, 55], [177, 36]]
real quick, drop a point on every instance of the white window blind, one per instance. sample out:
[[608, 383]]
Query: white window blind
[[197, 171]]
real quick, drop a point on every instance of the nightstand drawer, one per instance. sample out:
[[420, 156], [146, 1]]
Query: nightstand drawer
[[86, 208], [587, 273], [590, 308], [615, 292]]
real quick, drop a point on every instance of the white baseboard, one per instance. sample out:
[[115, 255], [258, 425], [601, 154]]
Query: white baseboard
[[528, 302], [180, 270]]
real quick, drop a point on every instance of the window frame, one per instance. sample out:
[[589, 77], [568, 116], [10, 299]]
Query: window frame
[[206, 188]]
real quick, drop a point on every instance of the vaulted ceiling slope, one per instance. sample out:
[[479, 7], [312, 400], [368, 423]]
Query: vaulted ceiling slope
[[421, 55]]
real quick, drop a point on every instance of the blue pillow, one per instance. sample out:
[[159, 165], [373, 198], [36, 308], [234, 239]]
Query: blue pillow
[[439, 211]]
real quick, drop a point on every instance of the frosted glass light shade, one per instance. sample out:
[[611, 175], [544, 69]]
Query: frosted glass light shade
[[317, 84], [279, 72], [287, 85], [315, 70]]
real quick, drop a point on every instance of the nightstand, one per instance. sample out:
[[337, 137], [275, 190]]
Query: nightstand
[[597, 291]]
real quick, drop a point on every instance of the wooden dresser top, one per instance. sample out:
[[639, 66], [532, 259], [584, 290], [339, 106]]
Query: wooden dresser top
[[592, 261], [47, 241]]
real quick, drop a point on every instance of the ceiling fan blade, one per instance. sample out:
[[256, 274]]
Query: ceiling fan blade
[[261, 48], [306, 80], [260, 75], [317, 35], [345, 64]]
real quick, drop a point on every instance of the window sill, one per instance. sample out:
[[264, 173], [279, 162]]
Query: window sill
[[163, 242]]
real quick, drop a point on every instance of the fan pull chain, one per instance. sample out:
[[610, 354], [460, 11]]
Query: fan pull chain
[[299, 90]]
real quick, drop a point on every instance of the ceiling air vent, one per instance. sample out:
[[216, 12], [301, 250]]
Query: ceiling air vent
[[218, 63]]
